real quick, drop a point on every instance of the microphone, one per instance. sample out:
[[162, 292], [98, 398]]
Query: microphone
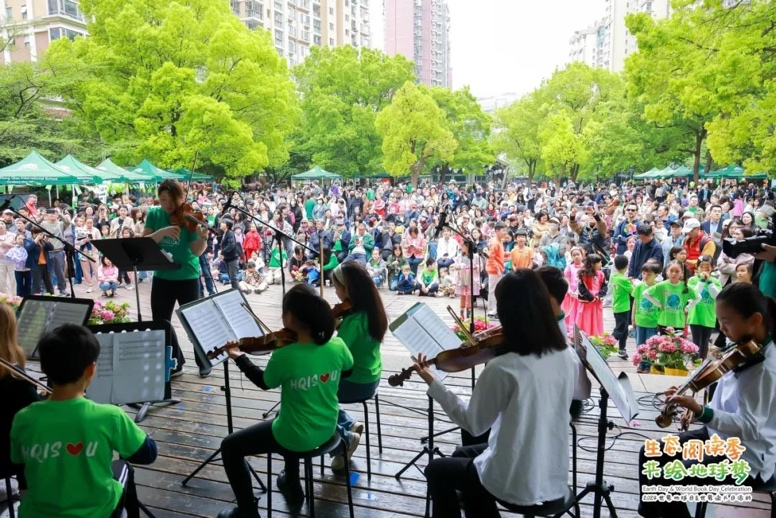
[[228, 204], [441, 224], [7, 202]]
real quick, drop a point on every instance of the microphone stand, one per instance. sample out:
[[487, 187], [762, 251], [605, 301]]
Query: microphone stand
[[70, 250]]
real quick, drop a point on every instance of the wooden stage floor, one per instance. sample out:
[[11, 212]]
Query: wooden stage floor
[[189, 432]]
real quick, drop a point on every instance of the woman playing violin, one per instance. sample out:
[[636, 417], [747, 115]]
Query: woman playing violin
[[185, 247], [529, 432], [308, 373], [362, 330], [743, 405]]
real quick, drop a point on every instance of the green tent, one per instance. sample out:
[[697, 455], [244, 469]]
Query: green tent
[[196, 177], [680, 172], [316, 173], [151, 173], [732, 171], [648, 175], [121, 174], [35, 170], [85, 173]]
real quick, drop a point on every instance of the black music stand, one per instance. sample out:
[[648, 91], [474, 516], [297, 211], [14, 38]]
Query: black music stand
[[136, 254], [170, 362], [39, 314]]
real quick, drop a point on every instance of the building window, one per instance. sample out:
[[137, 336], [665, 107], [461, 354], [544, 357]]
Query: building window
[[331, 11], [8, 14], [67, 8], [331, 26], [331, 41]]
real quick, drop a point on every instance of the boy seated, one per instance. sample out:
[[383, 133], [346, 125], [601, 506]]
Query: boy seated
[[253, 281], [405, 281], [66, 443]]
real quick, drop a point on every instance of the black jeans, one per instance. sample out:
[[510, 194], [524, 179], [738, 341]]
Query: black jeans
[[123, 472], [448, 474], [164, 294], [679, 509], [254, 440], [701, 335], [621, 321], [41, 276]]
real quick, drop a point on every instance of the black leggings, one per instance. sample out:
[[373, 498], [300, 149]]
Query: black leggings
[[254, 440], [701, 335], [448, 474], [123, 472], [164, 294]]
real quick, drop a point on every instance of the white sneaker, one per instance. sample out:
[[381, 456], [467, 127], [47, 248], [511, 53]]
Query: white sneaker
[[89, 289], [338, 461], [130, 286]]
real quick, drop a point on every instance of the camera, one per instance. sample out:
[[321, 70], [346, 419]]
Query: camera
[[751, 245]]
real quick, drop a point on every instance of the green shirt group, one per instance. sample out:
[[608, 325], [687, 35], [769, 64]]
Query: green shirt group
[[672, 300]]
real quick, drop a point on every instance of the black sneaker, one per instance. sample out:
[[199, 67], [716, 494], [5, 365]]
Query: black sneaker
[[292, 492], [204, 372], [623, 354], [576, 408]]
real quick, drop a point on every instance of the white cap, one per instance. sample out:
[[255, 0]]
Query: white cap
[[691, 224]]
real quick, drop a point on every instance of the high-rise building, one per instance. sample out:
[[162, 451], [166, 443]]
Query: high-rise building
[[297, 25], [420, 30], [31, 25], [607, 43]]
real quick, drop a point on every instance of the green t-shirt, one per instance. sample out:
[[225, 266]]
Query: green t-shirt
[[309, 205], [429, 277], [621, 290], [367, 362], [646, 312], [274, 258], [67, 449], [672, 300], [157, 219], [703, 312], [309, 376]]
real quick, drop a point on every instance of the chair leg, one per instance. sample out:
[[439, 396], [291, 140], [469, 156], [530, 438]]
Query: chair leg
[[308, 477], [368, 446], [379, 431], [700, 510], [773, 501], [269, 485], [9, 492], [347, 480]]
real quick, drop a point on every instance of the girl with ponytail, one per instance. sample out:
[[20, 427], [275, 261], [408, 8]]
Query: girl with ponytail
[[308, 373], [744, 403]]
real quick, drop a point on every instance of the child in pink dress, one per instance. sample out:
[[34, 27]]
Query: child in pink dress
[[570, 304], [592, 289], [463, 280]]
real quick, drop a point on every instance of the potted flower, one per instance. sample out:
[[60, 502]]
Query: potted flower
[[667, 354], [12, 300], [480, 325], [109, 313], [606, 344]]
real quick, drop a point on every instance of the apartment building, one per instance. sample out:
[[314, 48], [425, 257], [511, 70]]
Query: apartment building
[[420, 30], [29, 26]]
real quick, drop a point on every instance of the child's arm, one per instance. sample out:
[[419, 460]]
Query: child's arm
[[584, 293], [649, 294]]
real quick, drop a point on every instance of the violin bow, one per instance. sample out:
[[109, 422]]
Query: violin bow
[[18, 372], [320, 277], [262, 325], [191, 173], [462, 326]]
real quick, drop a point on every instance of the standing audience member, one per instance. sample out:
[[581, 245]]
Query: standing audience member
[[495, 265]]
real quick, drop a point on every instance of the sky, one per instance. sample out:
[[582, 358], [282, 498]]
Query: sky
[[507, 46]]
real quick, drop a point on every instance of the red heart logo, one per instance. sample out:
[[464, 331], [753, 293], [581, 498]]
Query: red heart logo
[[325, 377], [74, 449]]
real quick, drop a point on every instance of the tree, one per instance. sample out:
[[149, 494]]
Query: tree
[[171, 80], [470, 127], [673, 73], [518, 132], [413, 131], [343, 89]]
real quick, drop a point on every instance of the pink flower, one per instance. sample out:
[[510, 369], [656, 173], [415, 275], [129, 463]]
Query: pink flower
[[652, 354], [667, 348], [643, 348], [689, 348], [107, 315], [636, 359]]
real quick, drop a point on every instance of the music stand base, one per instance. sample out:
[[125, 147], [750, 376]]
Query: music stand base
[[144, 407], [600, 491], [213, 458]]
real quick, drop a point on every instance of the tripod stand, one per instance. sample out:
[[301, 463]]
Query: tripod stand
[[600, 489], [230, 427]]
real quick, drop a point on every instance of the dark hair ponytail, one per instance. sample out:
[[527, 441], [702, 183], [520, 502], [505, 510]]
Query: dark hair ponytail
[[311, 311], [364, 296], [747, 299]]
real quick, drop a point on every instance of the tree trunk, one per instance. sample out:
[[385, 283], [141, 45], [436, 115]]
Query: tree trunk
[[443, 173], [696, 163], [417, 168], [709, 162]]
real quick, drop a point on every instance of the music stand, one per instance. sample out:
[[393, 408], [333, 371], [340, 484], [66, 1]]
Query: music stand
[[39, 314], [136, 254], [170, 362]]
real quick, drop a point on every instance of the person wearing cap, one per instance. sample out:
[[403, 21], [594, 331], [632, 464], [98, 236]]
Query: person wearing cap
[[56, 222], [697, 243], [647, 248], [554, 236]]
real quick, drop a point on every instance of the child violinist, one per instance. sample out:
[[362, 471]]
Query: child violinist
[[362, 329], [534, 360], [743, 406], [309, 372]]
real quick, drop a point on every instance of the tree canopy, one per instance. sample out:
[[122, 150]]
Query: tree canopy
[[173, 80]]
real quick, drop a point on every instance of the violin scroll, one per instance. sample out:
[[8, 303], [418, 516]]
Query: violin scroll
[[397, 380]]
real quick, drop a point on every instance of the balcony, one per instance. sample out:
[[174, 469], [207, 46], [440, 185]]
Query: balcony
[[67, 8]]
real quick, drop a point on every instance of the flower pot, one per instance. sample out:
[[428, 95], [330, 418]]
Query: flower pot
[[676, 372], [656, 369]]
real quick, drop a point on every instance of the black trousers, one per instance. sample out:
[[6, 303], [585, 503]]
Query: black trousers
[[41, 276], [123, 472], [679, 509], [164, 294], [448, 474], [621, 322], [254, 440], [701, 335]]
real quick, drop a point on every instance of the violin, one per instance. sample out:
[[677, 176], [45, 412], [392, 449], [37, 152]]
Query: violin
[[479, 348], [342, 309], [186, 217], [710, 371], [262, 344]]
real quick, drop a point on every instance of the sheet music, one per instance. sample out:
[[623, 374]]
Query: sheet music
[[39, 316], [422, 332], [619, 389], [436, 327], [130, 368], [242, 323], [208, 327]]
